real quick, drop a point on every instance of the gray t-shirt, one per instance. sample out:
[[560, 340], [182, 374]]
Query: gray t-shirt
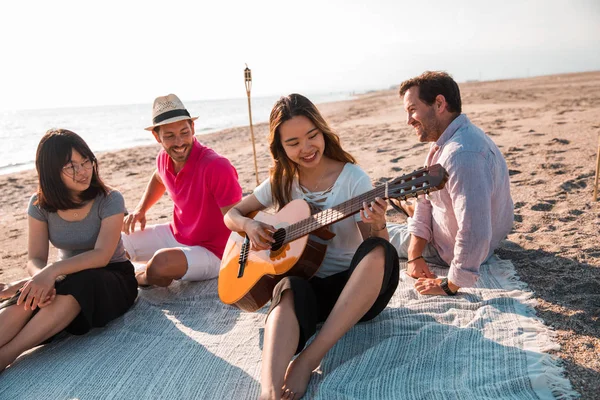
[[73, 238]]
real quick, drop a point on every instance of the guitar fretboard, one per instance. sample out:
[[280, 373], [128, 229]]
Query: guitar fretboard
[[412, 184], [332, 215]]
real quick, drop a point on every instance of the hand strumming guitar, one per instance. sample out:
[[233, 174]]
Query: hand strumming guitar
[[260, 234]]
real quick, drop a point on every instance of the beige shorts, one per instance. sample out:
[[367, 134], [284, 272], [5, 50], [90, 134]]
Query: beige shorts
[[141, 246]]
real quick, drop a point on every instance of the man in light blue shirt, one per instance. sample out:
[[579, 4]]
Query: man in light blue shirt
[[462, 224]]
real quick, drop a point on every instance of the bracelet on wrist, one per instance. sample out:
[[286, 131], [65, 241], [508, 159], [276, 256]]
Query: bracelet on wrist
[[380, 229], [414, 259], [446, 288]]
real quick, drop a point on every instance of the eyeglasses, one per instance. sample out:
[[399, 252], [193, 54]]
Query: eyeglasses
[[72, 168]]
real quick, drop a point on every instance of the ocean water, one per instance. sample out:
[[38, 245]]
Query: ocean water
[[121, 126]]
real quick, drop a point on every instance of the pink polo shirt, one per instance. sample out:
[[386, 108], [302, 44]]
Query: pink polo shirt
[[206, 183]]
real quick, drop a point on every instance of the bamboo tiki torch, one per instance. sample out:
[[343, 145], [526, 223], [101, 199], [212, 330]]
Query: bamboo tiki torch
[[248, 80], [597, 171]]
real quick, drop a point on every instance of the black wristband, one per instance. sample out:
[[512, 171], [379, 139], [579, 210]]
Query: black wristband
[[446, 288], [414, 259]]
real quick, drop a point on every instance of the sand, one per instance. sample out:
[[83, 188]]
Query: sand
[[547, 127]]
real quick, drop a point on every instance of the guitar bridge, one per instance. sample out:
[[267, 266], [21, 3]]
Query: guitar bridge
[[243, 256]]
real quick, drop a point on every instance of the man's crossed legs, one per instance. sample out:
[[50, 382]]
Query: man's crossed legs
[[159, 258]]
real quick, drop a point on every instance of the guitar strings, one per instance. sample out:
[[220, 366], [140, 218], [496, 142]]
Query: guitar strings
[[349, 207]]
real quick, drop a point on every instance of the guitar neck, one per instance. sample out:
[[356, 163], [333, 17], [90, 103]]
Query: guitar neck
[[333, 215], [424, 180]]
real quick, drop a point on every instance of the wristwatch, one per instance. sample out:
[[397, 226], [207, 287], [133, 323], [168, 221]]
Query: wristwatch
[[445, 288]]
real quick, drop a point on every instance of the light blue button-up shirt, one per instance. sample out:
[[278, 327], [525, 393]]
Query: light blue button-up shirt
[[467, 219]]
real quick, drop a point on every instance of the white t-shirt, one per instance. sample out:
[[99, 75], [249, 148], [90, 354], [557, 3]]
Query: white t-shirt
[[351, 182]]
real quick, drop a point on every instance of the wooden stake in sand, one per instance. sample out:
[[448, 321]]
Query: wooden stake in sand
[[248, 80], [597, 171]]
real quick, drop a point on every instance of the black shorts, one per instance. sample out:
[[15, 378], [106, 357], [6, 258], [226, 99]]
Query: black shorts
[[102, 293], [314, 299]]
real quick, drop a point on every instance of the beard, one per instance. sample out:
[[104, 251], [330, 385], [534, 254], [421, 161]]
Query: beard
[[428, 129], [179, 156]]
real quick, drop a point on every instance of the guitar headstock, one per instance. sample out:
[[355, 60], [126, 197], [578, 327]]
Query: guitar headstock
[[424, 180]]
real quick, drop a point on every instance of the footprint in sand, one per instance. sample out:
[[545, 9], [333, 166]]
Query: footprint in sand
[[542, 207], [567, 219], [573, 184], [395, 160], [564, 111], [518, 218], [512, 172], [556, 167], [383, 180], [417, 145], [559, 141]]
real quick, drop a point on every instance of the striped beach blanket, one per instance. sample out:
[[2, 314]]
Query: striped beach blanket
[[182, 342]]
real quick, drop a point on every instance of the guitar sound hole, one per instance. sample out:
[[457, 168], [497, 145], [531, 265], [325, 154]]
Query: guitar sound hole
[[279, 237]]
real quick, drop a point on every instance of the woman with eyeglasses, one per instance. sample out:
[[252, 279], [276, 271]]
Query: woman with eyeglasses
[[92, 282]]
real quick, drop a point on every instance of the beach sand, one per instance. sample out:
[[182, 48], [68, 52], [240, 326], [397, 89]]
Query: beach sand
[[547, 127]]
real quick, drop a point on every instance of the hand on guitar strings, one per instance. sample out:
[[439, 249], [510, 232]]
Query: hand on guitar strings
[[260, 234], [374, 214]]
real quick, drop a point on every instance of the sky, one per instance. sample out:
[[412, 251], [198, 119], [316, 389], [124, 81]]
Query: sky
[[77, 53]]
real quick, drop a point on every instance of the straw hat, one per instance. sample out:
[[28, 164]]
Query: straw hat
[[168, 109]]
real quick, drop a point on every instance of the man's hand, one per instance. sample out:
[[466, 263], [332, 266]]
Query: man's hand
[[419, 269], [432, 286], [130, 220]]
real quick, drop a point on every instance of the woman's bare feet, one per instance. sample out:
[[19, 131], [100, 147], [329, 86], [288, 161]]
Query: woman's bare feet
[[297, 378]]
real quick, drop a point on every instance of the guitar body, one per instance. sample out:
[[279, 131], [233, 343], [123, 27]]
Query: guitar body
[[247, 277], [264, 269]]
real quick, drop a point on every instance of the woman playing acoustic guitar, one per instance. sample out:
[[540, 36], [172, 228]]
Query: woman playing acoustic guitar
[[360, 271]]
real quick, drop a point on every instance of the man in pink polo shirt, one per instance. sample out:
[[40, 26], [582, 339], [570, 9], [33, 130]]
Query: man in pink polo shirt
[[203, 186]]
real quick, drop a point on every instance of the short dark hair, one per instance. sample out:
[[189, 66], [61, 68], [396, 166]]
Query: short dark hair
[[156, 129], [53, 153], [433, 83]]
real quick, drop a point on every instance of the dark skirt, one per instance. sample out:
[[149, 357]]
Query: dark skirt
[[102, 293], [314, 299]]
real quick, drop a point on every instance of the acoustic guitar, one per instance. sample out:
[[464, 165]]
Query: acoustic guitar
[[247, 277]]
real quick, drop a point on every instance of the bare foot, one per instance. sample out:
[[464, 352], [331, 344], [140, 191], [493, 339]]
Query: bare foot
[[296, 379], [270, 395], [142, 278]]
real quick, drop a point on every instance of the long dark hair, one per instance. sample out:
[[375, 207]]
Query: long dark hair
[[284, 170], [53, 153]]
